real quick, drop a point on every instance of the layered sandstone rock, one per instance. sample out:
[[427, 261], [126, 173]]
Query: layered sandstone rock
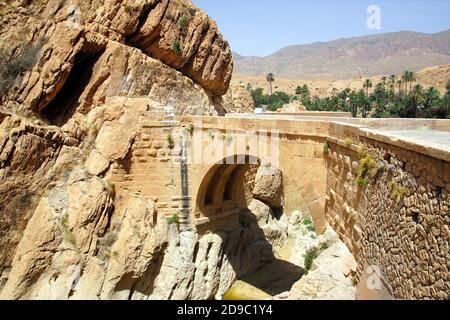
[[268, 186], [89, 51], [81, 76], [238, 100]]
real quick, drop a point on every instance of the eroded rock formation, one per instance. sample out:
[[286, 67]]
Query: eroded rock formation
[[88, 51], [238, 100], [77, 76]]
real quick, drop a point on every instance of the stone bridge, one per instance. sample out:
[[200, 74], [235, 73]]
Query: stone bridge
[[202, 169]]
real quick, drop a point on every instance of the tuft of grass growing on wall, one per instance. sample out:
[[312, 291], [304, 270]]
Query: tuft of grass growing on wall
[[129, 9], [183, 23], [348, 142], [368, 168], [362, 182], [397, 191], [170, 141], [326, 147], [310, 256], [190, 129], [175, 219], [68, 234], [176, 47], [111, 187], [192, 11]]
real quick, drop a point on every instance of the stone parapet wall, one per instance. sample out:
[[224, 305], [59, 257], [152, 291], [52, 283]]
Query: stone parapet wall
[[397, 225]]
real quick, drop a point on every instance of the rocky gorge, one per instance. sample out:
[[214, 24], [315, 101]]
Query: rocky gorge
[[80, 74], [99, 107]]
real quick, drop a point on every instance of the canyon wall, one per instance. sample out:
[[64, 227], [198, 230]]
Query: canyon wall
[[87, 51], [76, 76]]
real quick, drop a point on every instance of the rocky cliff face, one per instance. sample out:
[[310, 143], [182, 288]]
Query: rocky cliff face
[[75, 79], [238, 100], [87, 51]]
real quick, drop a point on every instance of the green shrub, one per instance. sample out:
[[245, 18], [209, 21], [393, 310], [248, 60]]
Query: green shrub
[[170, 141], [190, 129], [129, 9], [176, 47], [175, 219], [67, 233], [273, 102], [192, 11], [397, 191], [362, 182], [183, 23], [309, 224], [348, 142], [111, 187], [310, 256], [368, 168], [326, 147]]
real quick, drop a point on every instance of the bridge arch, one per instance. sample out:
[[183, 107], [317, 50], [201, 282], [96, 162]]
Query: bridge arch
[[224, 190], [221, 189]]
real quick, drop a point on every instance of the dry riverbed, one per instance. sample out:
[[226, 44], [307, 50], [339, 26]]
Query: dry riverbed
[[329, 276]]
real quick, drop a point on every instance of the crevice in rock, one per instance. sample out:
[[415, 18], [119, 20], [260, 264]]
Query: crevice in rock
[[64, 105]]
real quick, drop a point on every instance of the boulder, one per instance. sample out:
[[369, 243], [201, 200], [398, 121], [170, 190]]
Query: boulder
[[265, 226], [268, 186], [323, 284]]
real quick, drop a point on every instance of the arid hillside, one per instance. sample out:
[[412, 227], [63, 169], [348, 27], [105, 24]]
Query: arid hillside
[[433, 76], [353, 57]]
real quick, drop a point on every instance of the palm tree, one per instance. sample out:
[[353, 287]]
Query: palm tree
[[418, 90], [412, 76], [399, 84], [367, 84], [405, 79], [384, 80], [270, 79], [431, 95], [392, 82], [409, 77], [393, 78]]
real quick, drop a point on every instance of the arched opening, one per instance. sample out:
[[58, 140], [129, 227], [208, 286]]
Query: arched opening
[[222, 191], [227, 205]]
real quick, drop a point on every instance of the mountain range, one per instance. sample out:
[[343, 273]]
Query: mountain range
[[367, 56]]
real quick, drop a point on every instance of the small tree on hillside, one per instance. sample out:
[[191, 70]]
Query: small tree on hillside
[[399, 85], [270, 79], [367, 85]]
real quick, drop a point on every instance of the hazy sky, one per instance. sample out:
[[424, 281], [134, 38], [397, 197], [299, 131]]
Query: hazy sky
[[260, 27]]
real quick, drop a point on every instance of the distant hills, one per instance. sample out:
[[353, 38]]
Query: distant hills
[[433, 76], [383, 54]]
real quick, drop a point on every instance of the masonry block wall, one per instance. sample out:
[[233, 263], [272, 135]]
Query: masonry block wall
[[152, 169], [396, 225]]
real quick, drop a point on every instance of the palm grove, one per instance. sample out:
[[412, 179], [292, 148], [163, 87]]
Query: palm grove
[[392, 97]]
